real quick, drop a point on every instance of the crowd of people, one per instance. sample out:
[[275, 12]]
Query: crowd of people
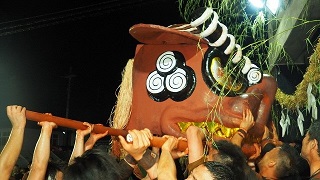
[[206, 159]]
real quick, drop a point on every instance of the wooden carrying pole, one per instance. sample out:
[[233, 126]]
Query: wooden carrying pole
[[74, 124]]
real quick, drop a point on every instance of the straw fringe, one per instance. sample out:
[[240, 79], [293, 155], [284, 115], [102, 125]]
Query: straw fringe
[[124, 99]]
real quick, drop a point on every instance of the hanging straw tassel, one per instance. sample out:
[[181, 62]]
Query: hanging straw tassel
[[124, 99]]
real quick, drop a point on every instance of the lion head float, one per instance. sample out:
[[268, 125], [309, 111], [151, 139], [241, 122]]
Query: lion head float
[[191, 73]]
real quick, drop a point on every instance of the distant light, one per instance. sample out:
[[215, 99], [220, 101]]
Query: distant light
[[257, 3], [63, 132], [273, 5]]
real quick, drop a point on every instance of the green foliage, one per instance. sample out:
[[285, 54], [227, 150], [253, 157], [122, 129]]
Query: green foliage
[[257, 33]]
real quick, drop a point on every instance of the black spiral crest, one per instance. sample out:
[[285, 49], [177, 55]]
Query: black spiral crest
[[169, 61], [171, 79]]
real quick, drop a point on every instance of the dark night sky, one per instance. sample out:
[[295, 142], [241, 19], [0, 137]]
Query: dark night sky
[[34, 63], [35, 58]]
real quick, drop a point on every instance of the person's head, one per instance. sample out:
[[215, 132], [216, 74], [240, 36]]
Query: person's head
[[280, 162], [55, 169], [211, 170], [266, 146], [310, 144], [95, 164], [229, 154]]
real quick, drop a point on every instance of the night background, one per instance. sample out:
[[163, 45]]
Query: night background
[[66, 57], [49, 50]]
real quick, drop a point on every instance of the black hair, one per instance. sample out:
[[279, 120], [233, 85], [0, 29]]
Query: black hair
[[287, 163], [314, 132], [95, 164], [219, 171], [53, 167], [232, 156], [266, 148]]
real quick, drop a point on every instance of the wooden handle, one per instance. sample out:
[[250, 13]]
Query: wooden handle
[[69, 123], [73, 124]]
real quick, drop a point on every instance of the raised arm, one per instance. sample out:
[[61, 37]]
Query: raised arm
[[78, 147], [138, 149], [166, 165], [12, 149], [195, 137], [93, 138], [41, 153], [246, 124]]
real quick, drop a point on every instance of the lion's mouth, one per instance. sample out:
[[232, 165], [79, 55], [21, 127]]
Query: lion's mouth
[[213, 128]]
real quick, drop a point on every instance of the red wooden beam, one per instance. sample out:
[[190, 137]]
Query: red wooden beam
[[74, 124]]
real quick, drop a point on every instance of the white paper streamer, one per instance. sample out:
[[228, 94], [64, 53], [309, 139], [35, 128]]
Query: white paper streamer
[[300, 120], [314, 109], [312, 104], [283, 123], [288, 119], [309, 96]]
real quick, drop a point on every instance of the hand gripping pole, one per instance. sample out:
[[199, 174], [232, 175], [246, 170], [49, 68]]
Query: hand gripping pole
[[74, 124]]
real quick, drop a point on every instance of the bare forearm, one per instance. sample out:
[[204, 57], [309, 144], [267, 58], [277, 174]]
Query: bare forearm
[[89, 144], [78, 148], [237, 139], [195, 144], [11, 151], [148, 161], [166, 166], [152, 172], [41, 155]]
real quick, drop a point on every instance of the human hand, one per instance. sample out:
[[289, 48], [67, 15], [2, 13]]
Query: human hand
[[17, 116], [140, 142], [94, 137], [82, 133], [257, 152], [171, 144], [194, 131], [247, 120], [47, 125]]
